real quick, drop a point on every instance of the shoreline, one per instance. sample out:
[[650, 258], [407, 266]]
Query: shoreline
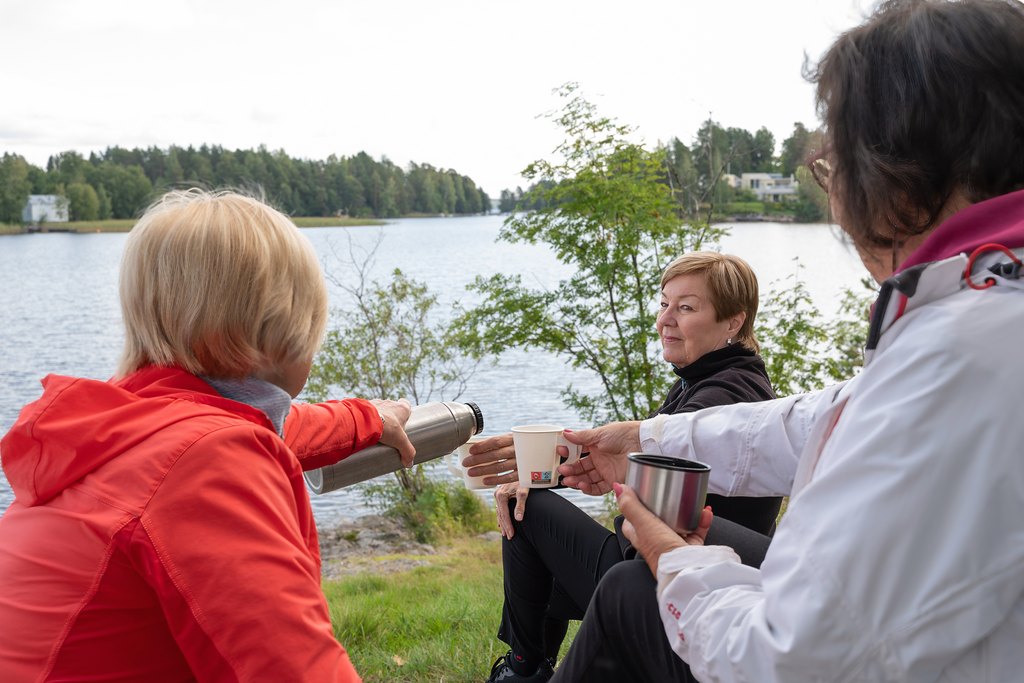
[[377, 544], [126, 224]]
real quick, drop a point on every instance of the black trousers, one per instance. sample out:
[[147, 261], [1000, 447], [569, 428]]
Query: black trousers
[[552, 566], [622, 637], [555, 561]]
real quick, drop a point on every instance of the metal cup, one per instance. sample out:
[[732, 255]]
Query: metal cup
[[671, 488]]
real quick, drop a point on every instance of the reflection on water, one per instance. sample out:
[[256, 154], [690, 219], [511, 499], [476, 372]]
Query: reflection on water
[[60, 312]]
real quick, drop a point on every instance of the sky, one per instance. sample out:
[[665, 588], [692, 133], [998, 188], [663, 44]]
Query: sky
[[458, 84]]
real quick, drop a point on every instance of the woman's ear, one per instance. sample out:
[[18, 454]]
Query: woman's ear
[[736, 323]]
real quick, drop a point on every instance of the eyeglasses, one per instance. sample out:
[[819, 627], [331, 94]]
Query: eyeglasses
[[821, 171]]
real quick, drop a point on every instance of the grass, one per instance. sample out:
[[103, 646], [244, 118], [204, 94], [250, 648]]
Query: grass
[[433, 623], [110, 225], [125, 224]]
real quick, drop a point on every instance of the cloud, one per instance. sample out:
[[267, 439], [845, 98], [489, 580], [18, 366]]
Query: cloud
[[456, 84]]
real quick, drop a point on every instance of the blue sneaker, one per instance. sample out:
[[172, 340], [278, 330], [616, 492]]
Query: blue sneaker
[[502, 671]]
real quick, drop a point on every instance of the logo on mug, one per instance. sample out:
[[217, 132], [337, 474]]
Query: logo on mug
[[541, 477]]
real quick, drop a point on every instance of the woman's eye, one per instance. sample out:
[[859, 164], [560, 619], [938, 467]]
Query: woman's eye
[[685, 307], [663, 304]]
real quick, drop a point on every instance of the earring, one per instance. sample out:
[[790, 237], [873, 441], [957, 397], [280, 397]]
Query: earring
[[728, 341]]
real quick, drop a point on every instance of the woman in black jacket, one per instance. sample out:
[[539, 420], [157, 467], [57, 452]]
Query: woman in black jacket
[[554, 558]]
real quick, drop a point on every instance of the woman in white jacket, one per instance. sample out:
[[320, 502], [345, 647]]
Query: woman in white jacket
[[901, 555]]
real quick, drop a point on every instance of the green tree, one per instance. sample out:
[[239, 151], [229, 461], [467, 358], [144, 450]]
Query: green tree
[[127, 188], [388, 342], [83, 202], [762, 151], [812, 202], [67, 168], [738, 151], [683, 178], [104, 197], [802, 350], [792, 333], [446, 189], [715, 152], [611, 215], [15, 187], [506, 201], [847, 332], [796, 147], [423, 181]]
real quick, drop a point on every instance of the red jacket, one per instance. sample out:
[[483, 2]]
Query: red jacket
[[161, 532]]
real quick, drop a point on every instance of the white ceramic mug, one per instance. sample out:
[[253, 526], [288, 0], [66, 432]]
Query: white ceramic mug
[[537, 456], [455, 466]]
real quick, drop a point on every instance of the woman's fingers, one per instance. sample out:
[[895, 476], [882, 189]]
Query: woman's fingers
[[501, 496], [499, 465], [584, 476], [635, 512], [399, 411], [506, 478], [649, 535], [394, 415], [494, 459], [700, 535], [521, 494], [629, 531], [494, 443]]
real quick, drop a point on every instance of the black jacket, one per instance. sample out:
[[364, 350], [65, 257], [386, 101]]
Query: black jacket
[[733, 374]]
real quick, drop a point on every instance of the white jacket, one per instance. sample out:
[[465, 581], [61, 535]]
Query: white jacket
[[901, 554]]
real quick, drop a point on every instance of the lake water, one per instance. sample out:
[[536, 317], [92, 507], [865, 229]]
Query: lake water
[[59, 311]]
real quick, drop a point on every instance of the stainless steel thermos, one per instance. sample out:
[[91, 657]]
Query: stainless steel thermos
[[435, 429]]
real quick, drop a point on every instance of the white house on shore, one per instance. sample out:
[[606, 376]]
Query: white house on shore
[[770, 187], [45, 208]]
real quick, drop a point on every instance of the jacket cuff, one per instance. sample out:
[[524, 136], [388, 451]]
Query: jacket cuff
[[650, 434], [672, 563], [321, 434]]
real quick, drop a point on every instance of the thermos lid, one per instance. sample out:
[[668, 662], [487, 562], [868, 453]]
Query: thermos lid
[[478, 416]]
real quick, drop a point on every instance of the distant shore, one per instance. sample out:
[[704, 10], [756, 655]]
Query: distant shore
[[125, 224]]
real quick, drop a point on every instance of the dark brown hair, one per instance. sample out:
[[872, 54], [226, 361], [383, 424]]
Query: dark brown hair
[[924, 99]]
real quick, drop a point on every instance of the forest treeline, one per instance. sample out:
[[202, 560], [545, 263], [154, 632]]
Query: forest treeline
[[696, 172], [119, 182]]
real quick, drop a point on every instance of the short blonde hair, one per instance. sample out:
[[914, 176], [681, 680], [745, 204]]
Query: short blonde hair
[[732, 287], [220, 284]]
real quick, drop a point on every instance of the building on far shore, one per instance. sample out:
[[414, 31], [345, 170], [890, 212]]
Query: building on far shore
[[770, 187], [45, 208]]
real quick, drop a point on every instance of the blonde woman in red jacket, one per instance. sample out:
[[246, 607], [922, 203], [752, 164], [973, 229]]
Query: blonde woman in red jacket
[[161, 530]]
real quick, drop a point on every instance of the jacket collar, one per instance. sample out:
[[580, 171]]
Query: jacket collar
[[999, 220], [938, 267], [716, 361], [155, 381]]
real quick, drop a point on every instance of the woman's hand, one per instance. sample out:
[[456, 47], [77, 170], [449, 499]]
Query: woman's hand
[[604, 463], [394, 415], [496, 457], [501, 496], [649, 535]]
